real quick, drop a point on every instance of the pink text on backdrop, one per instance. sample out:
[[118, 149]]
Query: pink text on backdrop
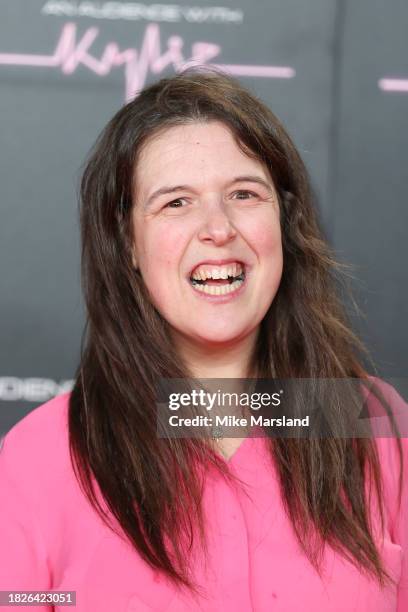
[[72, 51]]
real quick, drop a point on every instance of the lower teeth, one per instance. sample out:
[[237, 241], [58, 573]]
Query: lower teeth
[[218, 289]]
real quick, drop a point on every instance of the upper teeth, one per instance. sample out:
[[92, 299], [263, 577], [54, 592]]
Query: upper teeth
[[205, 271]]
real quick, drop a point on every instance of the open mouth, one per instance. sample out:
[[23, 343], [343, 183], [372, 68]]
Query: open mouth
[[218, 280]]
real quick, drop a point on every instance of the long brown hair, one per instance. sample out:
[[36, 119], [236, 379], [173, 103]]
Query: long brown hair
[[152, 486]]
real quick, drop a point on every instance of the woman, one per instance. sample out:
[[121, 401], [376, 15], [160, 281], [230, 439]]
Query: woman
[[202, 258]]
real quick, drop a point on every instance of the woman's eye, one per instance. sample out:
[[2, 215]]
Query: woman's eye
[[242, 194], [178, 203], [245, 193]]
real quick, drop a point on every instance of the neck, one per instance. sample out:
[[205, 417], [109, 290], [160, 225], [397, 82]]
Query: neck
[[216, 360]]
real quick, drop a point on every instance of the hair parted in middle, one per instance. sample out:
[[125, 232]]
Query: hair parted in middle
[[153, 487]]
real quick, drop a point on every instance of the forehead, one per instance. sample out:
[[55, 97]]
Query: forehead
[[203, 150]]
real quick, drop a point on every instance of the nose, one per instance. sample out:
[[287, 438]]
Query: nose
[[216, 225]]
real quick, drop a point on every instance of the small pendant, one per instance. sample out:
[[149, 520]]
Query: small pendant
[[217, 433]]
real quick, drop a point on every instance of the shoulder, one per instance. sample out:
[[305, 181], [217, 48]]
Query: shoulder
[[393, 455], [391, 395], [380, 421], [38, 445], [375, 391]]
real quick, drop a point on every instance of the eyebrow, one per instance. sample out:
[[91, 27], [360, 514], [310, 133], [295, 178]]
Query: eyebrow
[[238, 179]]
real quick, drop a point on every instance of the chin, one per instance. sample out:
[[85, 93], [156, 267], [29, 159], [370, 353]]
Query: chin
[[217, 337]]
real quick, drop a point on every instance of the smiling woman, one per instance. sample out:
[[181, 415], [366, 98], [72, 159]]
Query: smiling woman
[[213, 263], [203, 259]]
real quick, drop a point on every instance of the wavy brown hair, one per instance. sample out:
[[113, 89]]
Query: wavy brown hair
[[152, 487]]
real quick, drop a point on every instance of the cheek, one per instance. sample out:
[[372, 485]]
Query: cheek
[[269, 241], [264, 235], [161, 250], [266, 241]]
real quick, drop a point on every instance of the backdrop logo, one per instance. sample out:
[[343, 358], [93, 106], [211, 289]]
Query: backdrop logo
[[31, 389], [135, 11], [390, 84], [73, 51]]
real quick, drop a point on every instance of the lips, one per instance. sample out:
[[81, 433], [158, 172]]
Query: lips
[[218, 278], [217, 269]]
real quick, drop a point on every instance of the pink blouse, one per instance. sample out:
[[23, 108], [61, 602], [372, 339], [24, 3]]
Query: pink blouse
[[51, 538]]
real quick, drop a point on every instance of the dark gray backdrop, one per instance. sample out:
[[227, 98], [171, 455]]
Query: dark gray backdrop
[[323, 60]]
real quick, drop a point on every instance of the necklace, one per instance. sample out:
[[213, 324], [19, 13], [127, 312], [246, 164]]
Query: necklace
[[217, 432]]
